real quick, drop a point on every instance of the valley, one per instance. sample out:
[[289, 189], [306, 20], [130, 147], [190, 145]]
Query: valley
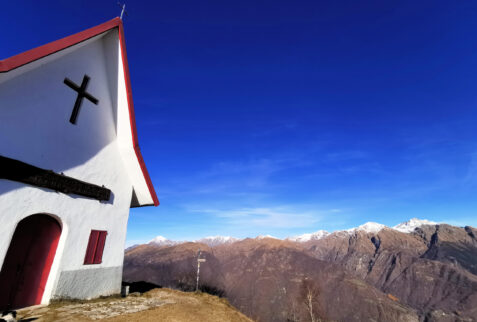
[[416, 271]]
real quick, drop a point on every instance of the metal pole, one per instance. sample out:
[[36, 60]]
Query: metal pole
[[198, 272], [122, 11]]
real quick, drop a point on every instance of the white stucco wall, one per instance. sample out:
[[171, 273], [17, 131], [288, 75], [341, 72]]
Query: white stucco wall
[[35, 107]]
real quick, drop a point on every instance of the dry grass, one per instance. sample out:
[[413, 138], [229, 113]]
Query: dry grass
[[392, 297], [156, 305], [180, 306]]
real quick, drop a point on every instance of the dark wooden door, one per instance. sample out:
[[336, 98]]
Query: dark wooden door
[[28, 261]]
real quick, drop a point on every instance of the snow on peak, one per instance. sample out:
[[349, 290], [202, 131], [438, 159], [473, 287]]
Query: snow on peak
[[162, 241], [217, 240], [369, 227], [158, 239], [307, 237], [411, 225], [265, 236]]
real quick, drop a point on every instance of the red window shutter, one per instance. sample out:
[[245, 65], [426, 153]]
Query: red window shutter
[[94, 252], [98, 256], [93, 240]]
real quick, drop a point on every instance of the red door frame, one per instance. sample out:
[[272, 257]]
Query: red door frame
[[28, 261]]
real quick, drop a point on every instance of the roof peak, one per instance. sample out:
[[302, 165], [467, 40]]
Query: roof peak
[[57, 45], [51, 48]]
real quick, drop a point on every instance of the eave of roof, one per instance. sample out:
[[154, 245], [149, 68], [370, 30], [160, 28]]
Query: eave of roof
[[58, 45]]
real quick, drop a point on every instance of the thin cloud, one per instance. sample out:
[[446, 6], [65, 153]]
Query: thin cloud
[[471, 175], [272, 217]]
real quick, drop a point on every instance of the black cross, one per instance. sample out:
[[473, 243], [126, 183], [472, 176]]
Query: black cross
[[81, 94]]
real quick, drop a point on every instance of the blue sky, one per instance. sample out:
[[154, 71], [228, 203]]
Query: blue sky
[[285, 117]]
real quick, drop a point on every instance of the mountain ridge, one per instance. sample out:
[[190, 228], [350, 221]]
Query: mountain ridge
[[368, 227], [423, 273]]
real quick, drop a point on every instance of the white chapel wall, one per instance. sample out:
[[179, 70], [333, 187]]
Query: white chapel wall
[[35, 107]]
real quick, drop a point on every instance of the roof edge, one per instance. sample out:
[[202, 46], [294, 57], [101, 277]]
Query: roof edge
[[132, 118], [34, 54], [55, 46]]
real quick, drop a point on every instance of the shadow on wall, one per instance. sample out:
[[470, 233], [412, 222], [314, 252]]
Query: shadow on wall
[[36, 107], [9, 185]]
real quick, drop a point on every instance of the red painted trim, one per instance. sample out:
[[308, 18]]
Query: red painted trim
[[132, 118], [49, 261], [91, 248], [98, 254], [94, 251], [55, 46], [27, 263]]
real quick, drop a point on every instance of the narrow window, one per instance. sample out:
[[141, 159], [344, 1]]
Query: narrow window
[[94, 252]]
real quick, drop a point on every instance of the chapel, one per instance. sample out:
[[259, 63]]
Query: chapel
[[70, 168]]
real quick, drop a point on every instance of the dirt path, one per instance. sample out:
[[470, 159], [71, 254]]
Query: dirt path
[[156, 305]]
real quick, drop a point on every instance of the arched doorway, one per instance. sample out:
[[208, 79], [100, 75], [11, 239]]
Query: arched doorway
[[28, 261]]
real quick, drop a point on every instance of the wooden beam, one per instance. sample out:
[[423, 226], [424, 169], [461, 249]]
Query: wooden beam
[[14, 170]]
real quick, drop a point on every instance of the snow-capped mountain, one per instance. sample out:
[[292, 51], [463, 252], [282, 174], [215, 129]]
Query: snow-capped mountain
[[365, 255], [307, 237], [265, 236], [369, 227], [217, 240], [210, 241], [411, 225], [162, 241]]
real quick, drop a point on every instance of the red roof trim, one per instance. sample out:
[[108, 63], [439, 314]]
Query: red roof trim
[[132, 118], [55, 46]]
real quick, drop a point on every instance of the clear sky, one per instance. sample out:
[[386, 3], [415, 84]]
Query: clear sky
[[285, 117]]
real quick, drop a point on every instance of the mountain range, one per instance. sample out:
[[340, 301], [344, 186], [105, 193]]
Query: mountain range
[[416, 271], [369, 227]]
